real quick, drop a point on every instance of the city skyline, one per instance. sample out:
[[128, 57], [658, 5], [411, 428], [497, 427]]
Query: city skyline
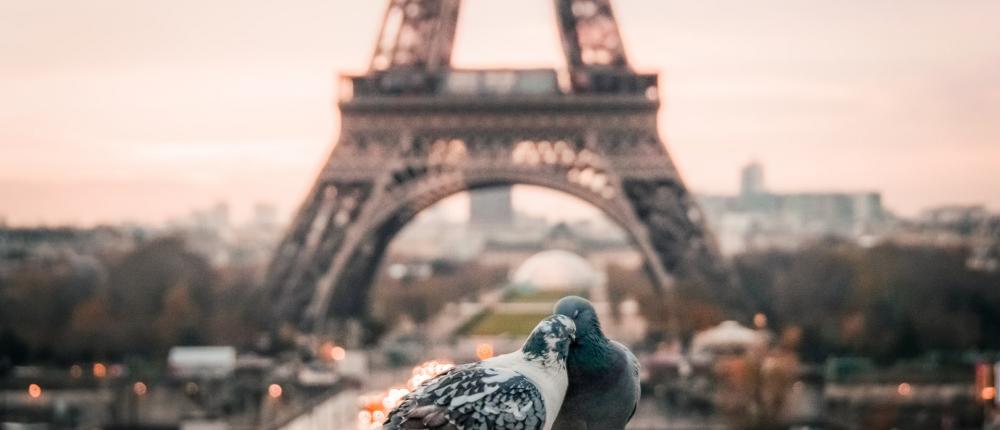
[[122, 111]]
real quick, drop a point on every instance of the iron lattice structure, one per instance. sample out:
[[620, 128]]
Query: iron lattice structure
[[414, 130]]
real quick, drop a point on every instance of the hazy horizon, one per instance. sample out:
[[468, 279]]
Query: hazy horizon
[[117, 110]]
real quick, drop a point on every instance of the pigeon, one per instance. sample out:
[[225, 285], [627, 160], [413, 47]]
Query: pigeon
[[520, 390], [604, 387]]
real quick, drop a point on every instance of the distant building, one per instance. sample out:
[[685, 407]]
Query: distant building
[[970, 227], [961, 219], [211, 233], [201, 362], [491, 207], [950, 226], [265, 215], [985, 254], [758, 218], [600, 250], [555, 270], [78, 246], [752, 180], [497, 235]]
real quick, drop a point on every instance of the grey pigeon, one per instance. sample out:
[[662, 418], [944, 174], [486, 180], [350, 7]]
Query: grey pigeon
[[604, 387], [520, 390]]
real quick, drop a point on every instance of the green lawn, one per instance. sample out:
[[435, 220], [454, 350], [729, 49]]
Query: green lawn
[[516, 296], [514, 324], [493, 324]]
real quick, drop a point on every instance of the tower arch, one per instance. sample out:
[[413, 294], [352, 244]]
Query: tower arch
[[414, 130]]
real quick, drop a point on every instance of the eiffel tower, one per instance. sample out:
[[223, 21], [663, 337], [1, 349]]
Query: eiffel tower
[[415, 130]]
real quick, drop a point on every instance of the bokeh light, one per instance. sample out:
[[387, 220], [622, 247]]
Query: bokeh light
[[376, 406], [988, 393], [904, 389], [428, 370], [484, 351], [100, 370], [34, 391], [760, 321], [274, 391], [338, 353]]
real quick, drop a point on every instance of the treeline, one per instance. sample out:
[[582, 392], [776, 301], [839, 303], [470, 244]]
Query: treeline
[[114, 306], [421, 299], [887, 302]]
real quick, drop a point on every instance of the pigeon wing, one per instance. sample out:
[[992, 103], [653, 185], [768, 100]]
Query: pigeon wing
[[633, 373], [471, 397]]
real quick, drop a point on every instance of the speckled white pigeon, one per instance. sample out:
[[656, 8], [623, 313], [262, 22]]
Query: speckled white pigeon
[[520, 390], [604, 387]]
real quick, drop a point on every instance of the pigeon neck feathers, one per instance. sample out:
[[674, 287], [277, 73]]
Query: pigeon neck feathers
[[549, 343], [592, 350]]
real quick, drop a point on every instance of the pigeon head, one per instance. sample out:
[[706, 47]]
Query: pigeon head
[[550, 340], [583, 314]]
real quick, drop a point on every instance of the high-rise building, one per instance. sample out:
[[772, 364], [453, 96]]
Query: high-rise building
[[758, 218], [491, 207], [752, 180]]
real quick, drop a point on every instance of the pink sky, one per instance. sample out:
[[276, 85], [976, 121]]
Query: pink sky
[[114, 110]]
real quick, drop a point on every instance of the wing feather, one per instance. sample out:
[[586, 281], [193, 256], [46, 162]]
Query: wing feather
[[471, 396]]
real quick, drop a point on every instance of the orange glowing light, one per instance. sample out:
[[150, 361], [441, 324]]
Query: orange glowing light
[[330, 352], [760, 320], [364, 419], [904, 389], [274, 390], [100, 370], [393, 398], [326, 351], [484, 351], [34, 391], [139, 388], [372, 401], [988, 393], [428, 370], [375, 406], [338, 353]]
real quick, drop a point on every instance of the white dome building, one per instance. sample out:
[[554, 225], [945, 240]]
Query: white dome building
[[555, 270], [727, 338]]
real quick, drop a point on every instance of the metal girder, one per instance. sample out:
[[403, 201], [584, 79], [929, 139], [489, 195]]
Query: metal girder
[[416, 34], [421, 33], [609, 157], [402, 148], [590, 35]]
